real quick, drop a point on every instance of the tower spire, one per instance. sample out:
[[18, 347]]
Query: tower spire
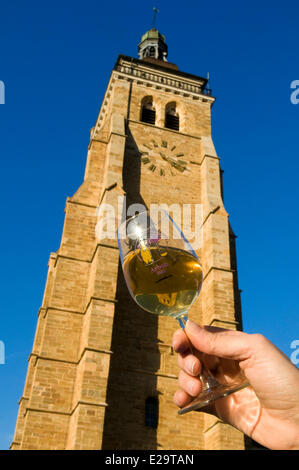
[[153, 43], [155, 16]]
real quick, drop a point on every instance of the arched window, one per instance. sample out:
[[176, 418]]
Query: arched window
[[152, 52], [172, 119], [151, 412], [148, 113]]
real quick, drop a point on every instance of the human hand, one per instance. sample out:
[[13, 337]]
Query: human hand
[[268, 410]]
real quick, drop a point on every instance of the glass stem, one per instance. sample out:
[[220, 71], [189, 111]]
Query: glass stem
[[208, 381]]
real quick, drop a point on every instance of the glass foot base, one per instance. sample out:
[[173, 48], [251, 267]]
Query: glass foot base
[[208, 396]]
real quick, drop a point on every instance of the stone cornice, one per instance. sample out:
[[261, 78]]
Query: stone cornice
[[104, 245], [216, 268], [148, 372], [215, 157], [66, 413], [223, 321], [218, 421], [210, 213], [76, 312], [150, 70], [55, 359], [163, 83]]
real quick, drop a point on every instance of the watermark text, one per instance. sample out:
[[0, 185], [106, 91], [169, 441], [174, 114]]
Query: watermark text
[[295, 94], [2, 353], [2, 92], [184, 221], [295, 354]]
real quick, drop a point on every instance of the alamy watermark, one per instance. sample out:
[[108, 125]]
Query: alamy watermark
[[295, 94], [185, 220], [2, 353], [295, 354], [2, 92]]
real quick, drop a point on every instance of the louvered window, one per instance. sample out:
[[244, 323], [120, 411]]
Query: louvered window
[[172, 120], [148, 113], [152, 52]]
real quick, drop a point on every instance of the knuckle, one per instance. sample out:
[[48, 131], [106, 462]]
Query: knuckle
[[258, 339], [258, 342], [182, 381], [213, 342], [180, 361]]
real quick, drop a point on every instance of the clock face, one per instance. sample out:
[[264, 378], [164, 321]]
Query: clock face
[[163, 159]]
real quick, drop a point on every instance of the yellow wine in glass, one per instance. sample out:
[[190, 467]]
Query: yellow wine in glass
[[164, 276]]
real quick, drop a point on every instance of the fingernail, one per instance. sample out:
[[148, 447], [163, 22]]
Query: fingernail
[[193, 366], [190, 366]]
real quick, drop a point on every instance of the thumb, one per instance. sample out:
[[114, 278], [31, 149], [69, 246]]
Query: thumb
[[228, 344]]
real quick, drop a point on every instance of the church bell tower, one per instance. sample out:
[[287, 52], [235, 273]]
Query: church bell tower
[[102, 373]]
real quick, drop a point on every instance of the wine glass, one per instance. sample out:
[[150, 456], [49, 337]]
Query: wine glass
[[164, 277]]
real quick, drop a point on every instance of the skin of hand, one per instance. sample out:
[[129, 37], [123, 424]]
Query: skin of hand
[[267, 410]]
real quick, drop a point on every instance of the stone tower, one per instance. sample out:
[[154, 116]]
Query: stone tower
[[102, 372]]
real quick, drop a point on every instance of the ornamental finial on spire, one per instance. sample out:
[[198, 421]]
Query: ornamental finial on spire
[[153, 43], [155, 16]]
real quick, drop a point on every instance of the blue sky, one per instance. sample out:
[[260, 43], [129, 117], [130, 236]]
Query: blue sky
[[55, 61]]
